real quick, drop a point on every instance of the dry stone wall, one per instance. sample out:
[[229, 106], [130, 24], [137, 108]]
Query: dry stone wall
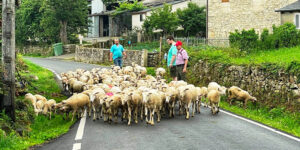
[[272, 85], [97, 55]]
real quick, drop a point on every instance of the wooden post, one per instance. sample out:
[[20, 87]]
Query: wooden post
[[8, 56], [160, 50]]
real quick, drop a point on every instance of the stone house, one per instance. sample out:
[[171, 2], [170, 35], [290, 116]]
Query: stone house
[[291, 13], [225, 16]]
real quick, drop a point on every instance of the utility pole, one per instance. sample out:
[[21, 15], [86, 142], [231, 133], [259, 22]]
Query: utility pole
[[8, 56]]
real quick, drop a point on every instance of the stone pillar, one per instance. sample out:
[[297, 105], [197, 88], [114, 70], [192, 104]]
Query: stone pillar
[[100, 26], [110, 23], [144, 60]]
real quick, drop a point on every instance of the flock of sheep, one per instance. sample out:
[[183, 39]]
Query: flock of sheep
[[135, 94]]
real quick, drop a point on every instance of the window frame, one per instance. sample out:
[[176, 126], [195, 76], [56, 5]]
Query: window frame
[[225, 1], [141, 17]]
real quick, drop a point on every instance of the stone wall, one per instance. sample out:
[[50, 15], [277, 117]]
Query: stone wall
[[153, 59], [288, 17], [35, 50], [226, 17], [97, 55], [272, 86], [69, 48]]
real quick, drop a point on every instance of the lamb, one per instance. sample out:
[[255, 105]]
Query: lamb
[[134, 102], [76, 102], [160, 72], [32, 99], [239, 95], [113, 104], [49, 107], [153, 103], [214, 97], [95, 97]]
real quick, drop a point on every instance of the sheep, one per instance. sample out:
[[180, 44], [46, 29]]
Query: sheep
[[113, 104], [32, 99], [171, 98], [189, 96], [39, 107], [160, 72], [134, 102], [95, 97], [49, 107], [239, 95], [127, 70], [77, 87], [76, 102], [204, 92], [153, 103], [216, 86], [214, 97], [40, 98]]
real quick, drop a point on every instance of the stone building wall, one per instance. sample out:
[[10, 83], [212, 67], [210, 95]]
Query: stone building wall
[[97, 55], [288, 17], [272, 86], [226, 17]]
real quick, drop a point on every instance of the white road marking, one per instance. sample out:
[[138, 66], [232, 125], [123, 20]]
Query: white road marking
[[77, 146], [261, 125], [80, 129]]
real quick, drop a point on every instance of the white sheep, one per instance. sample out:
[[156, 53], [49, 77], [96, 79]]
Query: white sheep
[[32, 99], [239, 95], [49, 107], [77, 102], [153, 103], [160, 72], [214, 97]]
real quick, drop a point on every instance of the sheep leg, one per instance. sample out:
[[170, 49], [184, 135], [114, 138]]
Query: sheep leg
[[142, 113], [187, 110], [116, 115], [158, 115], [173, 109], [74, 113], [129, 115], [180, 108], [152, 116], [146, 115], [193, 111], [199, 105], [136, 114], [50, 115], [94, 109], [245, 104]]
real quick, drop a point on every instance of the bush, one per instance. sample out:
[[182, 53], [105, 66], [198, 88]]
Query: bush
[[246, 40], [285, 35]]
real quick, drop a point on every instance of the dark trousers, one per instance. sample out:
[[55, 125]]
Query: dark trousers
[[180, 73], [118, 62]]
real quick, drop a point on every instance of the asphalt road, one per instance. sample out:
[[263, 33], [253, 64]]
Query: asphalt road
[[203, 131]]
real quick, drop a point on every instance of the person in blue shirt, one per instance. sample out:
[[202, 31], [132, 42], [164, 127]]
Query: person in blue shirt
[[116, 53], [171, 62]]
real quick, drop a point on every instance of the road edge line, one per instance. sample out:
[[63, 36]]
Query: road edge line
[[80, 129], [260, 125]]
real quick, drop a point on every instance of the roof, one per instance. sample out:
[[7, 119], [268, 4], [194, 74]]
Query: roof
[[290, 8], [158, 4]]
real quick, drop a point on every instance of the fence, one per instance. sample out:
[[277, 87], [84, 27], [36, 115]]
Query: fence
[[195, 41]]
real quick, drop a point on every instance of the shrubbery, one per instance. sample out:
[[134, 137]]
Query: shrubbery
[[283, 36]]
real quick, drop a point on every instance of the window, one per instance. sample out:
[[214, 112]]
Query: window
[[225, 1], [141, 17], [297, 20]]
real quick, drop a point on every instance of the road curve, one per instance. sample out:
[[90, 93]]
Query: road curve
[[203, 131]]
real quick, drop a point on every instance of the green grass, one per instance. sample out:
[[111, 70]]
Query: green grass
[[277, 117], [150, 46], [281, 57], [41, 129], [46, 85]]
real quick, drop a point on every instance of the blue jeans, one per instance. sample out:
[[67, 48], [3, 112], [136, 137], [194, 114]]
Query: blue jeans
[[118, 62]]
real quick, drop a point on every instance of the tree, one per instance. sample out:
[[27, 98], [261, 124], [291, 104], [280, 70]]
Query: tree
[[193, 19], [161, 18], [28, 19], [71, 16]]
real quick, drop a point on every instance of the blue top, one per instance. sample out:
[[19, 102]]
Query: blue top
[[117, 51], [172, 52]]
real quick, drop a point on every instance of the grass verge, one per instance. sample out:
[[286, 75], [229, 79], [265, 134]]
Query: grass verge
[[38, 129], [276, 117]]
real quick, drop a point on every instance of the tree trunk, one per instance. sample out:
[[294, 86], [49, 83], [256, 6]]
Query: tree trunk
[[63, 32]]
